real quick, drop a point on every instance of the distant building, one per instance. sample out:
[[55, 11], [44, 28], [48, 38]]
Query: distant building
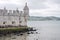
[[14, 17]]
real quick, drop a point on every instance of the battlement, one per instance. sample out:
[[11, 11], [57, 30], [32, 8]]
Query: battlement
[[6, 12]]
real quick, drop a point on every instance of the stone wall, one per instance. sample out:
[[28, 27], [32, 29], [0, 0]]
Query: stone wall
[[9, 20]]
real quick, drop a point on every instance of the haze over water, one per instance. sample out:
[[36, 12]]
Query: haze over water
[[47, 30]]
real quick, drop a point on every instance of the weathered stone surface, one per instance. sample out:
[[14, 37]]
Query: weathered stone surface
[[14, 17]]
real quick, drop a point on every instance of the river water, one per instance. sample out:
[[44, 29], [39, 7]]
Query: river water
[[46, 30]]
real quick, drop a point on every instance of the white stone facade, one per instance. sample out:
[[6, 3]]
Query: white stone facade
[[14, 17]]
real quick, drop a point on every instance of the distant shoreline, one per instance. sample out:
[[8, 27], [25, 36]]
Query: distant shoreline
[[36, 18]]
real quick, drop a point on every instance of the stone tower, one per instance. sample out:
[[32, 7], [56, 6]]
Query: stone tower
[[26, 10], [26, 13]]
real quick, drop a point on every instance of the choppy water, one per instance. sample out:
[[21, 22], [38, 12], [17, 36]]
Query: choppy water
[[47, 30]]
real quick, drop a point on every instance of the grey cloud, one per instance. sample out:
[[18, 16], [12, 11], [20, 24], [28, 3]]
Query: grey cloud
[[55, 1], [11, 6], [33, 4], [4, 0], [37, 4]]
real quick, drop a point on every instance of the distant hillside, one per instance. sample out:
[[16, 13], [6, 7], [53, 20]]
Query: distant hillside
[[36, 18]]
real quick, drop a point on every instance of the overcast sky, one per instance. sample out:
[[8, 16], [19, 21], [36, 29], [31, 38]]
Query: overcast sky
[[37, 7]]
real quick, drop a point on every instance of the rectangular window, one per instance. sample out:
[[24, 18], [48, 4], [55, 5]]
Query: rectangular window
[[4, 22], [13, 22], [20, 21]]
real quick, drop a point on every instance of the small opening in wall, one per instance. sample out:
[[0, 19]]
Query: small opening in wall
[[4, 22], [20, 21], [13, 22]]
